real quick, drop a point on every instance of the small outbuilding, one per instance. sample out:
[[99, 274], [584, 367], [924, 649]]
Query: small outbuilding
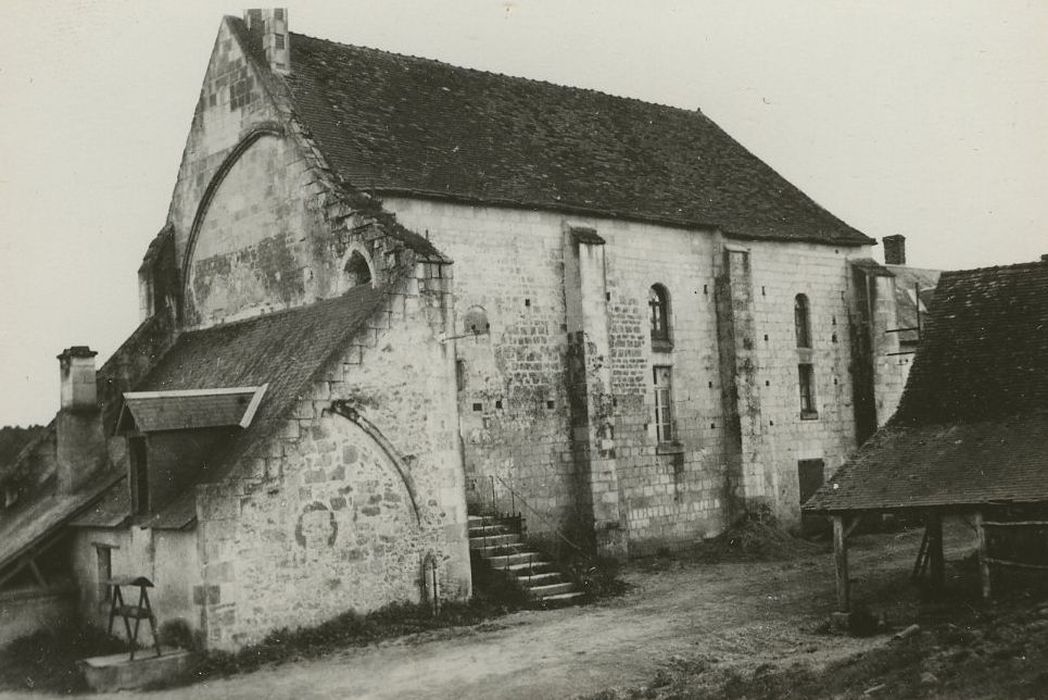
[[970, 437]]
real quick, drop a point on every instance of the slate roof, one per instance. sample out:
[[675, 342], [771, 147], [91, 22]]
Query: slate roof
[[972, 426], [394, 124], [285, 350]]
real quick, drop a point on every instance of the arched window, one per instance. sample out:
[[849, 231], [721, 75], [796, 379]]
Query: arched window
[[659, 304], [802, 321], [357, 270], [475, 321]]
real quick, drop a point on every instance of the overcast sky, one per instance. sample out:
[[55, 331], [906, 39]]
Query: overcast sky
[[921, 118]]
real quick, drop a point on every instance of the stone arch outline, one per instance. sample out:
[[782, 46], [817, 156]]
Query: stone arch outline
[[246, 141], [342, 408]]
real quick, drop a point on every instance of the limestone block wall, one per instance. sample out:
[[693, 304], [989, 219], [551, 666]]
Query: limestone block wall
[[512, 264], [258, 223], [169, 558], [779, 274], [358, 493]]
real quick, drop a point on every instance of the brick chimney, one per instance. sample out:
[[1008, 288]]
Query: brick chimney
[[81, 444], [271, 25], [894, 250]]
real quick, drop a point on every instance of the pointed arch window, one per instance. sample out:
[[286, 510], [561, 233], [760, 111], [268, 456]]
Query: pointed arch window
[[802, 321], [659, 306], [357, 270]]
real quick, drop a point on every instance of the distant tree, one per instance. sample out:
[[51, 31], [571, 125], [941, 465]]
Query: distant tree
[[13, 438]]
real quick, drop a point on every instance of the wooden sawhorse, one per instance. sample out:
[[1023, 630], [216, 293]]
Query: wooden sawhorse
[[142, 611]]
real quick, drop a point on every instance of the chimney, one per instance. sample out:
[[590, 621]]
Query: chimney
[[1044, 257], [894, 250], [271, 25], [81, 444]]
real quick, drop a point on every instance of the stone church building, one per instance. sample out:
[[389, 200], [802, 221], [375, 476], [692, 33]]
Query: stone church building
[[390, 291]]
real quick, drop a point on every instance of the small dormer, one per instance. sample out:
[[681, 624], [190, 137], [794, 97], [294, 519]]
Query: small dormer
[[172, 436]]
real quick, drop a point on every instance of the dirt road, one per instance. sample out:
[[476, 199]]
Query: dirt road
[[732, 614], [744, 614]]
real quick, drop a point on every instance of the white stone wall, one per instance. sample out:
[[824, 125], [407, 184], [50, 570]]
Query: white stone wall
[[333, 515], [511, 263], [168, 558]]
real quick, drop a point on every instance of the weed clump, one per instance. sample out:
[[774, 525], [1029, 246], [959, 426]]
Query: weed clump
[[756, 536], [46, 659]]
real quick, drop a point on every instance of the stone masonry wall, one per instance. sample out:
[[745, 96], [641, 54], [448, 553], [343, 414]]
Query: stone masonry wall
[[259, 223], [511, 263], [343, 509]]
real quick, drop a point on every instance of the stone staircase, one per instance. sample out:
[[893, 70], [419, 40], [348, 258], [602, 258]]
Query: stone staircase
[[500, 544]]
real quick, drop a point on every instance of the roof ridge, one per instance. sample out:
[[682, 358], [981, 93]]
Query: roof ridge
[[697, 111], [998, 268]]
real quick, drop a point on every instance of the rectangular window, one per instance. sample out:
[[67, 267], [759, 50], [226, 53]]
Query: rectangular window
[[664, 403], [806, 380], [105, 570], [139, 475]]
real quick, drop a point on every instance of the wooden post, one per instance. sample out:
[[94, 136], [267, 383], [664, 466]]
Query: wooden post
[[984, 564], [936, 563], [840, 563]]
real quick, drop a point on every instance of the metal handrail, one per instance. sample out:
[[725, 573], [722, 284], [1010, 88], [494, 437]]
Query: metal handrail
[[516, 496]]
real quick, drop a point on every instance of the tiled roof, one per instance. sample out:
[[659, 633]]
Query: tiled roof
[[397, 124], [284, 350], [111, 510], [184, 410], [972, 426], [32, 523], [994, 461], [984, 352]]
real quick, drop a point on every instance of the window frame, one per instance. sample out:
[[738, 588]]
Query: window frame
[[807, 394], [802, 321], [659, 318], [665, 425], [138, 465], [103, 569]]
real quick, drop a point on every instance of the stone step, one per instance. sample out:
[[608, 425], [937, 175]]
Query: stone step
[[550, 591], [489, 530], [502, 540], [563, 599], [522, 559], [538, 579], [483, 520], [531, 568], [501, 550]]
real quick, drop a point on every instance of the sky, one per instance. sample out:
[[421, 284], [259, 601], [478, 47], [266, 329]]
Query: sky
[[925, 118]]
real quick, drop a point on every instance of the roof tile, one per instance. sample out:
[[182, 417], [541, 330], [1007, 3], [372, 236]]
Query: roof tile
[[390, 123]]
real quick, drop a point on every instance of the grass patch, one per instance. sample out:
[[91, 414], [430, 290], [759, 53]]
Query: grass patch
[[347, 630], [46, 660]]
